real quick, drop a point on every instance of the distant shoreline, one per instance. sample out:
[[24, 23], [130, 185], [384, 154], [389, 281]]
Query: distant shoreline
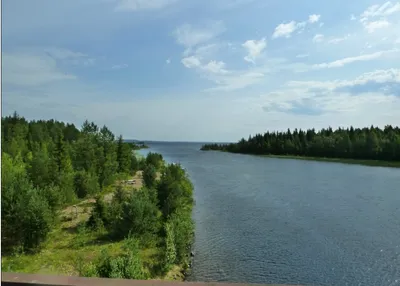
[[137, 145], [372, 163]]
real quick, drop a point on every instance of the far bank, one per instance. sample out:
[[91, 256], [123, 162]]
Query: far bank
[[363, 146]]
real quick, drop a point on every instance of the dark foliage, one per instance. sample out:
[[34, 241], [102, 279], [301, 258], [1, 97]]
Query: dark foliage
[[48, 164], [364, 144]]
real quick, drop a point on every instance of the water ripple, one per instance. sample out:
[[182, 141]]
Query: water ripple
[[262, 220]]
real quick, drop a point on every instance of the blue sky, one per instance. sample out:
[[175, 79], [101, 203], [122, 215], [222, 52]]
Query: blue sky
[[202, 70]]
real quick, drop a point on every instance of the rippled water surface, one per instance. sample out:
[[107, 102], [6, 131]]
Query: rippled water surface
[[264, 220]]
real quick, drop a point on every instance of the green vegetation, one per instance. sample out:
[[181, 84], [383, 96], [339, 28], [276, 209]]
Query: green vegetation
[[367, 146], [138, 145], [68, 209]]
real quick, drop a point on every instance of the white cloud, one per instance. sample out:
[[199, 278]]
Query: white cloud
[[204, 51], [337, 96], [300, 27], [89, 62], [349, 60], [375, 25], [215, 67], [368, 17], [385, 9], [287, 29], [302, 56], [236, 80], [118, 67], [225, 80], [339, 39], [368, 46], [377, 76], [352, 17], [136, 5], [254, 49], [31, 69], [190, 36], [314, 18], [284, 30], [318, 38], [191, 62]]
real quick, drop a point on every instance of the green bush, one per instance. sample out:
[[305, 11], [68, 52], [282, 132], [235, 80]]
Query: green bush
[[88, 270], [25, 213], [149, 176], [53, 195], [154, 159], [183, 226], [86, 184], [36, 221], [100, 216], [127, 266], [170, 250], [137, 215]]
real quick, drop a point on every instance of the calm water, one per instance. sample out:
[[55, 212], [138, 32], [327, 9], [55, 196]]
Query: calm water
[[263, 220]]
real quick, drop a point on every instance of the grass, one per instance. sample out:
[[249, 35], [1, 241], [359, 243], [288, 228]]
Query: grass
[[69, 245], [61, 253], [377, 163]]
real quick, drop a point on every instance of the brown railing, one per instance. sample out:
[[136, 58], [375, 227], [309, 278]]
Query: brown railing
[[20, 279]]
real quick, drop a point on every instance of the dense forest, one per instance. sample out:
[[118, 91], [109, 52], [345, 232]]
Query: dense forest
[[49, 165], [351, 143]]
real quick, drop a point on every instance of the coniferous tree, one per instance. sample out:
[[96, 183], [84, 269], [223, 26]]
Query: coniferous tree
[[352, 143]]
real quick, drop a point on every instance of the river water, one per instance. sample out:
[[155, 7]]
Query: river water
[[265, 220]]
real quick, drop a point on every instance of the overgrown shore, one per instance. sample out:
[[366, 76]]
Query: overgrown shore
[[367, 146], [79, 202]]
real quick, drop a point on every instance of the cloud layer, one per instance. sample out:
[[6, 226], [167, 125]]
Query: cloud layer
[[202, 71]]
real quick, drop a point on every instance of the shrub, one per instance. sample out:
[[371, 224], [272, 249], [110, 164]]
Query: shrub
[[36, 221], [170, 250], [154, 159], [137, 215], [100, 216], [126, 266], [149, 176], [86, 184]]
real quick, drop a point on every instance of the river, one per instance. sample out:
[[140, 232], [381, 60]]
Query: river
[[266, 220]]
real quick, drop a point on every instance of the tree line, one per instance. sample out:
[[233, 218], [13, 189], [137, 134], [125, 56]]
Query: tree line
[[351, 143], [48, 164]]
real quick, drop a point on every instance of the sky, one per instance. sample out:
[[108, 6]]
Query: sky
[[195, 70]]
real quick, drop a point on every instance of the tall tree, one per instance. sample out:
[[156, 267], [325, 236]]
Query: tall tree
[[124, 155]]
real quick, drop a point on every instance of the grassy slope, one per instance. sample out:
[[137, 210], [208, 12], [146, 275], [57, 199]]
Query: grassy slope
[[66, 246]]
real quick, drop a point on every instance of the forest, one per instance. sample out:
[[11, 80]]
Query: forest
[[352, 143], [68, 206]]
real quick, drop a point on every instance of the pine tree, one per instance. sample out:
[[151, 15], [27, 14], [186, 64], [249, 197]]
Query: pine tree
[[124, 154]]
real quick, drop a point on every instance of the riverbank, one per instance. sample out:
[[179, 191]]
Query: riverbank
[[72, 248], [373, 163]]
